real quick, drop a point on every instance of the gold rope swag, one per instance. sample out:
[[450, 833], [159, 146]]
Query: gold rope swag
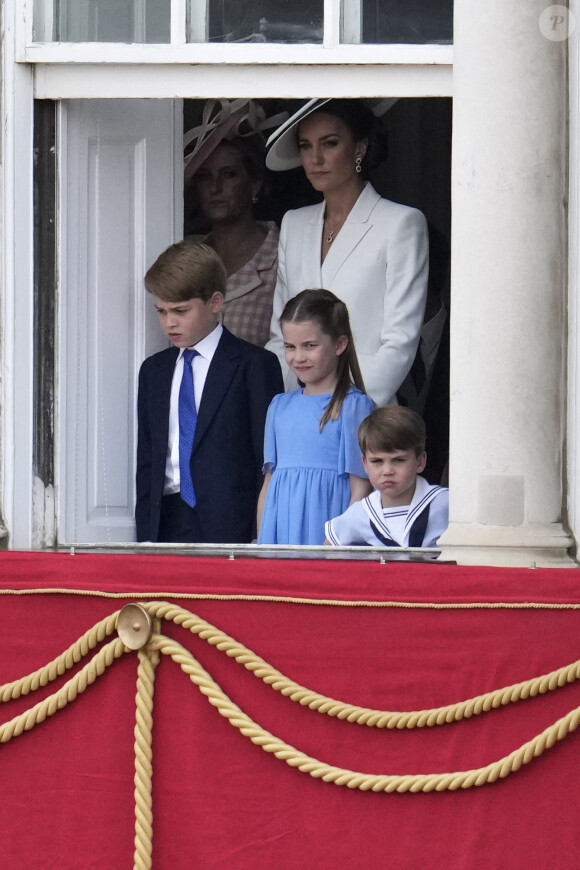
[[138, 628]]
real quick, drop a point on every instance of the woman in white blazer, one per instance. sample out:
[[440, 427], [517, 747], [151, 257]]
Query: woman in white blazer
[[371, 252]]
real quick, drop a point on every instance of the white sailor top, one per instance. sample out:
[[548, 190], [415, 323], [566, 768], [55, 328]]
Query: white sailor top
[[366, 522]]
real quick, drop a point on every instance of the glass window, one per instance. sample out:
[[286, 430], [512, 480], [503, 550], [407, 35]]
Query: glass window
[[256, 21], [397, 21], [138, 21], [243, 21]]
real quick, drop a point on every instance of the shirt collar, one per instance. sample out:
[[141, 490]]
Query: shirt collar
[[208, 345]]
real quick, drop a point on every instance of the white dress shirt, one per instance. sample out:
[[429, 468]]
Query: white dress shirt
[[200, 366]]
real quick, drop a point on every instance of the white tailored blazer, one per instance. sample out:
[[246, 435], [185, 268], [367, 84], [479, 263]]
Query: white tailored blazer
[[378, 265]]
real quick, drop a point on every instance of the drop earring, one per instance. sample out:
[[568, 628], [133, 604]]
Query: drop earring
[[358, 162], [254, 198]]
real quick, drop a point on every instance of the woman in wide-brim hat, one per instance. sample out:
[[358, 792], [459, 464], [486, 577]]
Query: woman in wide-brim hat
[[371, 252], [224, 172]]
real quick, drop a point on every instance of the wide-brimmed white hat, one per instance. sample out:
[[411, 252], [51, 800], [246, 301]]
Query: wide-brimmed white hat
[[283, 150]]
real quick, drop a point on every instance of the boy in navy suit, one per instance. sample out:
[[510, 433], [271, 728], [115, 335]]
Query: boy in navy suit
[[201, 410]]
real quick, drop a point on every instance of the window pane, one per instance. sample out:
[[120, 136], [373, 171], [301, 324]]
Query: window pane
[[255, 20], [101, 21], [397, 21]]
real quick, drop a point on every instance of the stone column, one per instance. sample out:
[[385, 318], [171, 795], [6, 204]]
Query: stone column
[[508, 324]]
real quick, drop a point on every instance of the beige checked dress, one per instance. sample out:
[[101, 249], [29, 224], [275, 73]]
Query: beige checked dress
[[247, 309]]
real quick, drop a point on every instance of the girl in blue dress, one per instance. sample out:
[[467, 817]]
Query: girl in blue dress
[[312, 461]]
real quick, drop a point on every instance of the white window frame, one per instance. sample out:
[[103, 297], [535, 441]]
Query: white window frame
[[177, 70], [206, 81], [179, 51]]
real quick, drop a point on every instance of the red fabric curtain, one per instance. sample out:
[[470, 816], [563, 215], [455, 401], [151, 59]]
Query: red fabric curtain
[[66, 799]]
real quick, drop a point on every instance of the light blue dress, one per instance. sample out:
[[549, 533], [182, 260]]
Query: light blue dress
[[309, 468]]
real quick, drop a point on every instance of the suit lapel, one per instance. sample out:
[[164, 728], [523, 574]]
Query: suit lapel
[[221, 371], [355, 228], [311, 242], [341, 249], [250, 283]]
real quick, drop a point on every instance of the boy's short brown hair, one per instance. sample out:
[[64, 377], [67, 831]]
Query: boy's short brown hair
[[186, 270], [392, 428]]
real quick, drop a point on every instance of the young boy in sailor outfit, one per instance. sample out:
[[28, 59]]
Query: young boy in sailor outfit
[[404, 510]]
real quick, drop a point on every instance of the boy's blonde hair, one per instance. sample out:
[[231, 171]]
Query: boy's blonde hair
[[392, 428], [186, 270]]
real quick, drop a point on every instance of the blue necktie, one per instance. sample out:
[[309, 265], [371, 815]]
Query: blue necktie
[[187, 423]]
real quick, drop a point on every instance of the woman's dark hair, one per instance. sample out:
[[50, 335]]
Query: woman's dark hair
[[354, 113], [331, 315]]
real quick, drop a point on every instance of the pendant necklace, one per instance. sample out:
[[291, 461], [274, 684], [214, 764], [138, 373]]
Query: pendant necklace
[[332, 233], [338, 226]]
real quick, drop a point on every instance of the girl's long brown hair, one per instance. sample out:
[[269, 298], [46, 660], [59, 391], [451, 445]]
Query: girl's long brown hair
[[331, 315]]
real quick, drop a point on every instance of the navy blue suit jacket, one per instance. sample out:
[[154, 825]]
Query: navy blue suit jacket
[[227, 457]]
